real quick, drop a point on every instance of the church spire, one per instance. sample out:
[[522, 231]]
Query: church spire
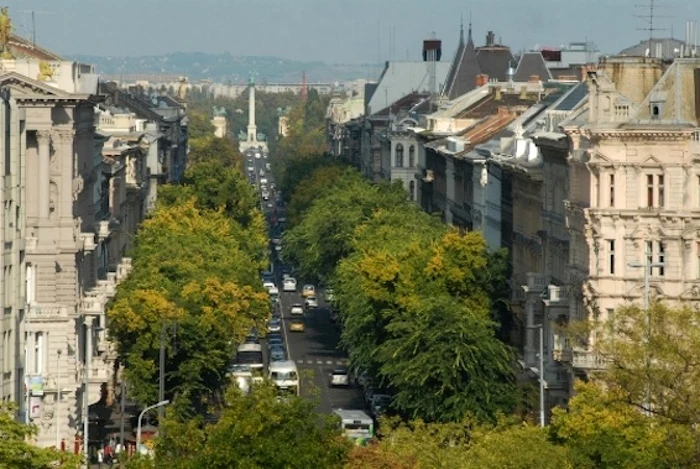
[[469, 34], [461, 29]]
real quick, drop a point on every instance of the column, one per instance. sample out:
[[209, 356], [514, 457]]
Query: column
[[44, 168], [252, 129], [65, 153]]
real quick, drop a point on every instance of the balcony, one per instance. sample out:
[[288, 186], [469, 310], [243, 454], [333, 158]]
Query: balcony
[[123, 269], [47, 312], [93, 304], [586, 360], [555, 297], [87, 241], [536, 283], [562, 355], [102, 229]]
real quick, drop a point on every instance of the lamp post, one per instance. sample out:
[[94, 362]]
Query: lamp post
[[89, 331], [138, 428], [58, 398], [161, 365], [647, 265], [541, 372]]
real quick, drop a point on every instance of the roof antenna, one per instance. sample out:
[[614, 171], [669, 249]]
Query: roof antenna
[[649, 18]]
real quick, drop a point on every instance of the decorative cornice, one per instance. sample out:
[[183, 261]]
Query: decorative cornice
[[639, 134]]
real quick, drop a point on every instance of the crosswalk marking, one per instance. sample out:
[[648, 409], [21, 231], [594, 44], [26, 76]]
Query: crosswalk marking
[[321, 362]]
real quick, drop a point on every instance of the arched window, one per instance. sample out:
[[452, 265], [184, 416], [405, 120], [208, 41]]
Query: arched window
[[399, 156], [412, 190], [411, 156]]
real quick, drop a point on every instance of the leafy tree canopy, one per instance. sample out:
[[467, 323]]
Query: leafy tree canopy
[[255, 430], [18, 452], [199, 125]]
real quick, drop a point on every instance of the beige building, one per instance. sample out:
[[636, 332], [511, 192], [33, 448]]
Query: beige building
[[639, 201], [60, 267]]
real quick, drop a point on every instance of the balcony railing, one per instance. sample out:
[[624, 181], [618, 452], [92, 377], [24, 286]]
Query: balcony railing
[[586, 360]]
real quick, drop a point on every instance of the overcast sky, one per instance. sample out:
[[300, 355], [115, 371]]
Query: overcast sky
[[334, 31]]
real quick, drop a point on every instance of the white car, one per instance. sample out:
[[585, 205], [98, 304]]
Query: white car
[[297, 310], [273, 291], [289, 284], [257, 156], [251, 169], [311, 302], [340, 377], [267, 284], [265, 195]]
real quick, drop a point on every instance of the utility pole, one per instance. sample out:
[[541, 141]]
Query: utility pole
[[33, 14]]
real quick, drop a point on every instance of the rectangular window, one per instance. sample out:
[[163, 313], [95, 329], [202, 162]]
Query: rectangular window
[[649, 253], [660, 190], [612, 190], [650, 190], [660, 258], [611, 256], [38, 353]]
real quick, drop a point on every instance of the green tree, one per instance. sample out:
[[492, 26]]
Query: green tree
[[199, 125], [17, 451], [602, 430], [310, 189], [184, 260], [221, 150], [324, 236], [651, 358], [255, 430]]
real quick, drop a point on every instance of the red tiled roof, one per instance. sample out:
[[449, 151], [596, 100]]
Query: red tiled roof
[[21, 47]]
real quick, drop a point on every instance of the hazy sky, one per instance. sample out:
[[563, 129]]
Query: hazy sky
[[335, 31]]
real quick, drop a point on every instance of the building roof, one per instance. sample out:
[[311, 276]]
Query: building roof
[[402, 78], [666, 45], [494, 61], [675, 98], [22, 48], [532, 64], [464, 69], [405, 103], [573, 98], [491, 103]]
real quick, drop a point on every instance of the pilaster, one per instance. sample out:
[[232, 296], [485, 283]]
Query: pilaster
[[44, 166]]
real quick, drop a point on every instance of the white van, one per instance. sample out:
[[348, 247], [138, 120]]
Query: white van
[[285, 376], [251, 355], [356, 425]]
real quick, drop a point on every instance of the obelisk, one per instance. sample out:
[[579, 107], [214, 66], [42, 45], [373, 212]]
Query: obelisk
[[252, 129]]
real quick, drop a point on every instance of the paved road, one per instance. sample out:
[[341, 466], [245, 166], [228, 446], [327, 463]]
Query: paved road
[[315, 351]]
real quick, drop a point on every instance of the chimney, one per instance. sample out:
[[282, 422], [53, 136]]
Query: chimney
[[497, 95], [490, 39], [523, 92], [534, 79], [697, 93], [481, 80]]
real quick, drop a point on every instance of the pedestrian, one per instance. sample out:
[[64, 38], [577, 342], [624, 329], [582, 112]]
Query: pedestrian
[[100, 456], [109, 457]]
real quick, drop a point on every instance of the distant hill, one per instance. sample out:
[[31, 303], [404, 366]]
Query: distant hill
[[225, 67]]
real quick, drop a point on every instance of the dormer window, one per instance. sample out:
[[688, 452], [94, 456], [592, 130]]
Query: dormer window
[[655, 110]]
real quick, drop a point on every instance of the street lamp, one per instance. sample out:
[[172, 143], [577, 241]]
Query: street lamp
[[541, 371], [138, 428], [647, 266]]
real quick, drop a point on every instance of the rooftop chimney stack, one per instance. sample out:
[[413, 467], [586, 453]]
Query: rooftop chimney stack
[[432, 52], [490, 39]]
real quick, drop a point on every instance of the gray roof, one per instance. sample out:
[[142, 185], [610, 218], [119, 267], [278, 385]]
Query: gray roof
[[401, 79], [572, 99], [532, 63], [667, 48], [463, 71], [494, 61]]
